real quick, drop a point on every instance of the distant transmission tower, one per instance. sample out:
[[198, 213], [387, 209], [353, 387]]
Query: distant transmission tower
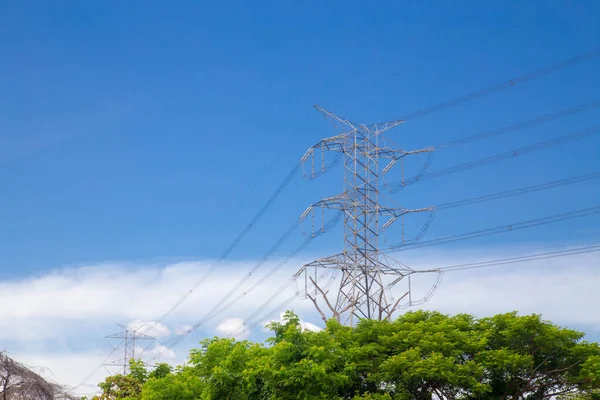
[[367, 274], [128, 338]]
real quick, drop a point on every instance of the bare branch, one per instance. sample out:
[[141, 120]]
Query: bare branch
[[317, 307], [323, 294], [20, 382], [336, 314], [395, 306]]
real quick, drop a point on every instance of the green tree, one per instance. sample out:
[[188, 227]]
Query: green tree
[[527, 357], [419, 356], [126, 387], [119, 387], [226, 368], [304, 365], [160, 371], [182, 384]]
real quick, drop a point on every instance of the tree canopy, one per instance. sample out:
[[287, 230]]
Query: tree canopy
[[421, 355]]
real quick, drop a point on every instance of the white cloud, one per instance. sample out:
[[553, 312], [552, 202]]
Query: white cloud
[[150, 328], [83, 369], [160, 353], [304, 326], [233, 327], [59, 320], [183, 329], [68, 369], [564, 290], [104, 294], [66, 312], [307, 326]]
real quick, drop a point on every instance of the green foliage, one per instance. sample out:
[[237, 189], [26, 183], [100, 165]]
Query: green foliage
[[128, 387], [184, 384], [421, 355], [160, 371], [119, 387], [137, 371]]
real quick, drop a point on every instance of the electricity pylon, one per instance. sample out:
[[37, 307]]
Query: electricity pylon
[[362, 292], [129, 338]]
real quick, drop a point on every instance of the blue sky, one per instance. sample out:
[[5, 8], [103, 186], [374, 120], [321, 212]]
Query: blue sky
[[135, 132]]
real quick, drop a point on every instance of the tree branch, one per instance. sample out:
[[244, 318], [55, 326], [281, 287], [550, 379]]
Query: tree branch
[[317, 307], [389, 314]]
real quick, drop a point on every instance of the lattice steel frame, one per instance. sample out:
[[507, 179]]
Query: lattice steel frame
[[362, 292], [129, 339]]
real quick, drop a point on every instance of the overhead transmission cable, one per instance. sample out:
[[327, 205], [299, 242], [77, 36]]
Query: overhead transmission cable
[[251, 321], [223, 305], [506, 85], [497, 157], [525, 150], [483, 264], [288, 283], [271, 165], [429, 110], [521, 125], [423, 112], [519, 259], [115, 348], [247, 321], [234, 244], [584, 57], [519, 191], [499, 229], [490, 133], [511, 260], [496, 196]]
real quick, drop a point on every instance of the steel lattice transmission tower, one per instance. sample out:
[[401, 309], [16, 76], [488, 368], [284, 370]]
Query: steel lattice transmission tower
[[363, 292], [129, 338]]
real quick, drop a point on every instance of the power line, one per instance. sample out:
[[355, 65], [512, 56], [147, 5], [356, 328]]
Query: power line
[[225, 254], [247, 321], [496, 196], [250, 325], [519, 259], [483, 92], [480, 93], [426, 111], [499, 229], [521, 125], [511, 83], [590, 55], [271, 165], [494, 132], [247, 228], [431, 58], [288, 283], [483, 264], [234, 244], [539, 146], [222, 305], [519, 191], [267, 302], [534, 75], [474, 44], [108, 357], [452, 268]]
